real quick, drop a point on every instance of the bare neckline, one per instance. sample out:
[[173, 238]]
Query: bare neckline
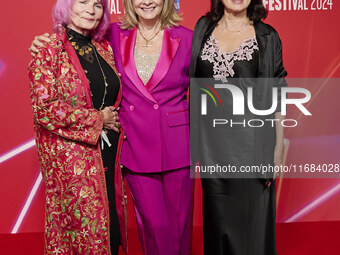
[[217, 44]]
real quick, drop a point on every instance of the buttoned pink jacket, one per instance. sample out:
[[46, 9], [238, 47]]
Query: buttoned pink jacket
[[155, 116]]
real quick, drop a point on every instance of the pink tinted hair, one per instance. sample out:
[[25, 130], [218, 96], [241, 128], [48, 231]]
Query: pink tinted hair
[[63, 10]]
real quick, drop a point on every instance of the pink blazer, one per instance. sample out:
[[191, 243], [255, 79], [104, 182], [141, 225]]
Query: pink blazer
[[155, 116]]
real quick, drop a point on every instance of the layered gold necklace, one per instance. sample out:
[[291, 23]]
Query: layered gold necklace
[[84, 51]]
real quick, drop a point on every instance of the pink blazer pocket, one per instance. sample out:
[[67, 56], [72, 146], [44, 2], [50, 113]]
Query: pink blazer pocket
[[178, 118]]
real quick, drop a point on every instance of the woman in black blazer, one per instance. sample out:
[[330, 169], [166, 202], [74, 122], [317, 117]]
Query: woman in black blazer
[[231, 42]]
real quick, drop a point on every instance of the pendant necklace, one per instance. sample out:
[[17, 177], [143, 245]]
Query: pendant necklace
[[147, 40], [235, 31]]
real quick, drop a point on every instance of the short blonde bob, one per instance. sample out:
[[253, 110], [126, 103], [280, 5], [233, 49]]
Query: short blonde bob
[[168, 16]]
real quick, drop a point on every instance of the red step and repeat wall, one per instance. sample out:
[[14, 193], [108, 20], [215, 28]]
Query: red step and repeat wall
[[309, 30]]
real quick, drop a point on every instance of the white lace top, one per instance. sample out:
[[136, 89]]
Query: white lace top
[[223, 62]]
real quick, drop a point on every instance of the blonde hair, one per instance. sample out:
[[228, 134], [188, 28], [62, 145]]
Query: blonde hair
[[168, 16]]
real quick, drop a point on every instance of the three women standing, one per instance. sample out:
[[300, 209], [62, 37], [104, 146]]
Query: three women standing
[[152, 55]]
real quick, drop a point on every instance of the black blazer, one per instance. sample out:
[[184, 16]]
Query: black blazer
[[270, 48], [270, 66]]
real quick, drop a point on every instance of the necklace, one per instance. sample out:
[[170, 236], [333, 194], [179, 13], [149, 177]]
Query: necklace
[[235, 31], [84, 52], [147, 40], [104, 77]]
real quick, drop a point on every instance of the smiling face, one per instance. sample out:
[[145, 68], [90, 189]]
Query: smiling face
[[148, 10], [85, 16], [236, 5]]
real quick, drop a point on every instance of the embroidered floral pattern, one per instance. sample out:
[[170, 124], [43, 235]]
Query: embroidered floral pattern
[[223, 62], [67, 131]]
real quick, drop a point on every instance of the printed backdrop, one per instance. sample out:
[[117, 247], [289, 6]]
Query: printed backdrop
[[310, 34]]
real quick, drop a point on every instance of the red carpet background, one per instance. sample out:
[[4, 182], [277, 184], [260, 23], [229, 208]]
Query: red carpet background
[[312, 238]]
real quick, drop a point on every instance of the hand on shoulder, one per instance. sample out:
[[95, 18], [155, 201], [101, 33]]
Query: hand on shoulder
[[38, 42]]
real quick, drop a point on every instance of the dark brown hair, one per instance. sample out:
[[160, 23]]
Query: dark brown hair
[[255, 11]]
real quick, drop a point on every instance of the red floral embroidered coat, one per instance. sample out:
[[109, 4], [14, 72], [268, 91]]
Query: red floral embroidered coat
[[67, 130]]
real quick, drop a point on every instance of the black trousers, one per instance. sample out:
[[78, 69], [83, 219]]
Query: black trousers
[[238, 217], [109, 158]]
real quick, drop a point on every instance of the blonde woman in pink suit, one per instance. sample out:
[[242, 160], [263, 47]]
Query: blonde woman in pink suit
[[153, 56]]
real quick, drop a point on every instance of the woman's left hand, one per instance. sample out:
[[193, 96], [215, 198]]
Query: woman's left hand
[[116, 122], [111, 118], [278, 161]]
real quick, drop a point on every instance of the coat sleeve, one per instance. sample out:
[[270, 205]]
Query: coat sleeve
[[279, 71], [59, 113], [198, 34]]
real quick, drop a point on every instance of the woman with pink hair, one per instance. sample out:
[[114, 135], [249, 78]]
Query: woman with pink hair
[[75, 91]]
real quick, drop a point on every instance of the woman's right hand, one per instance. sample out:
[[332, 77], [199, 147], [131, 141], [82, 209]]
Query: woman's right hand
[[111, 119], [38, 42]]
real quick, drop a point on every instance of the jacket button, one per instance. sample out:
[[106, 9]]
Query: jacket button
[[155, 106], [132, 108]]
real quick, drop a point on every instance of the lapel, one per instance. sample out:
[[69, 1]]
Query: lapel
[[202, 29], [127, 46], [261, 32], [84, 84], [168, 52]]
